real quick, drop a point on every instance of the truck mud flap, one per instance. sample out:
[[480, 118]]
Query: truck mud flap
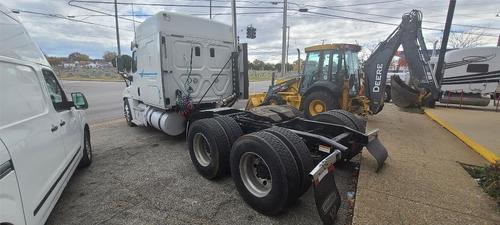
[[326, 194], [403, 95], [376, 149]]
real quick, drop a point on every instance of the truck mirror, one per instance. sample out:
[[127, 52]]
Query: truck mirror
[[123, 63]]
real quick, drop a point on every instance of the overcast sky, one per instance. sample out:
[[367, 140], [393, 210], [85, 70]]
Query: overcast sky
[[59, 37]]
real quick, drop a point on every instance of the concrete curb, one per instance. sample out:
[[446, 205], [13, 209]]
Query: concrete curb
[[483, 151]]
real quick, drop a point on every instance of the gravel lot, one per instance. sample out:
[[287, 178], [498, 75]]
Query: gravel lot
[[141, 176]]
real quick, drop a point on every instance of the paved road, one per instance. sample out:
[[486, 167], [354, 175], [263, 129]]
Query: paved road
[[105, 98]]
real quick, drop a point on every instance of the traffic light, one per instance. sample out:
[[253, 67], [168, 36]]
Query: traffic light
[[251, 32]]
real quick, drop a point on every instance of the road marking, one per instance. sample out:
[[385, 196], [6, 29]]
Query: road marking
[[483, 151]]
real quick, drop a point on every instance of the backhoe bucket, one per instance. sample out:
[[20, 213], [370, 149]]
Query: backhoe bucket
[[403, 95]]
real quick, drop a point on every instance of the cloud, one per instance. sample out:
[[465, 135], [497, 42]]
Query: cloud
[[61, 37]]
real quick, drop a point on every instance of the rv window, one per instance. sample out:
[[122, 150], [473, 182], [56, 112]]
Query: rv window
[[197, 51], [212, 52], [477, 68]]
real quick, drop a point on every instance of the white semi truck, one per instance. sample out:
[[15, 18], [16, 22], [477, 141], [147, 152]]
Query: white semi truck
[[185, 76]]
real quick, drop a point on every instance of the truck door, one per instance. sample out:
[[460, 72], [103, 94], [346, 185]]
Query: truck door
[[148, 76], [29, 127], [11, 209]]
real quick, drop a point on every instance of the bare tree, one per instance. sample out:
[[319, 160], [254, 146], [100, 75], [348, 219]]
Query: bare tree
[[466, 39]]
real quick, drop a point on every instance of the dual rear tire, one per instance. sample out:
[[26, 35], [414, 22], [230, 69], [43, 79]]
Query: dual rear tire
[[269, 168]]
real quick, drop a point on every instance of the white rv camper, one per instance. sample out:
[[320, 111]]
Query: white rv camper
[[471, 76]]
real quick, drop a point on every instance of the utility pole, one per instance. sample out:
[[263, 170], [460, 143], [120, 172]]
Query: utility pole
[[283, 46], [444, 42], [117, 34], [210, 9], [287, 46], [498, 43], [235, 30]]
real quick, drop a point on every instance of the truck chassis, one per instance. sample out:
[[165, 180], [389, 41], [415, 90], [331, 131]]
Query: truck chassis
[[274, 155]]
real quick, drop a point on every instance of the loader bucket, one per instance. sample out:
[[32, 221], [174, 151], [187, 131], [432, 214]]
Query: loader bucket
[[403, 95]]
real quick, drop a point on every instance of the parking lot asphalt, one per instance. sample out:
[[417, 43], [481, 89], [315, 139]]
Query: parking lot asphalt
[[141, 176]]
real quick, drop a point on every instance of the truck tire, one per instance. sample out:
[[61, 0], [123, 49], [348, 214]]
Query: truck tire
[[274, 99], [264, 172], [317, 102], [209, 148], [300, 153], [358, 121], [87, 150], [127, 112], [336, 117], [387, 96], [231, 128]]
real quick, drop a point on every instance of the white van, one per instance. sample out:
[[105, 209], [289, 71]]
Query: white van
[[44, 136]]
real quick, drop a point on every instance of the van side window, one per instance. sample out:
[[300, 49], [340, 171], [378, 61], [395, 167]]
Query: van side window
[[21, 96], [477, 68], [212, 52], [197, 51], [55, 91]]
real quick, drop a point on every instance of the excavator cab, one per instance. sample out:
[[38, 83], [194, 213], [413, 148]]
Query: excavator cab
[[332, 63], [330, 80]]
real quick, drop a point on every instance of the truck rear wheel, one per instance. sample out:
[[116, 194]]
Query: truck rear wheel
[[358, 121], [264, 172], [336, 117], [231, 127], [318, 102], [209, 148], [300, 153]]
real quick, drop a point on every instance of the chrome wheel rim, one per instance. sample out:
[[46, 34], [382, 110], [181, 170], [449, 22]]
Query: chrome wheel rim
[[201, 149], [255, 174]]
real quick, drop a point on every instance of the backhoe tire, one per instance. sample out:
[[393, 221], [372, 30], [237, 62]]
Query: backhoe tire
[[317, 102], [209, 148], [300, 153], [127, 112], [231, 128], [264, 172], [274, 99], [336, 117], [387, 95]]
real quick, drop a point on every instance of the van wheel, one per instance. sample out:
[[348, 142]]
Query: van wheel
[[87, 150], [127, 112], [209, 148], [264, 172]]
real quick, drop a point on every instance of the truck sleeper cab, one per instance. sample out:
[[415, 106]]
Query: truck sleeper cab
[[44, 136]]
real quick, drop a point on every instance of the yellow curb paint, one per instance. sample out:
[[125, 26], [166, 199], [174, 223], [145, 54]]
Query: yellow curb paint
[[483, 151]]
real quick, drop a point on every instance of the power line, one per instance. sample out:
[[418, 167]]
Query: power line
[[392, 24], [67, 18], [175, 5], [392, 17]]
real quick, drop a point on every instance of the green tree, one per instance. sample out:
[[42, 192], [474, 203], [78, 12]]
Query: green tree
[[109, 56], [76, 56]]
